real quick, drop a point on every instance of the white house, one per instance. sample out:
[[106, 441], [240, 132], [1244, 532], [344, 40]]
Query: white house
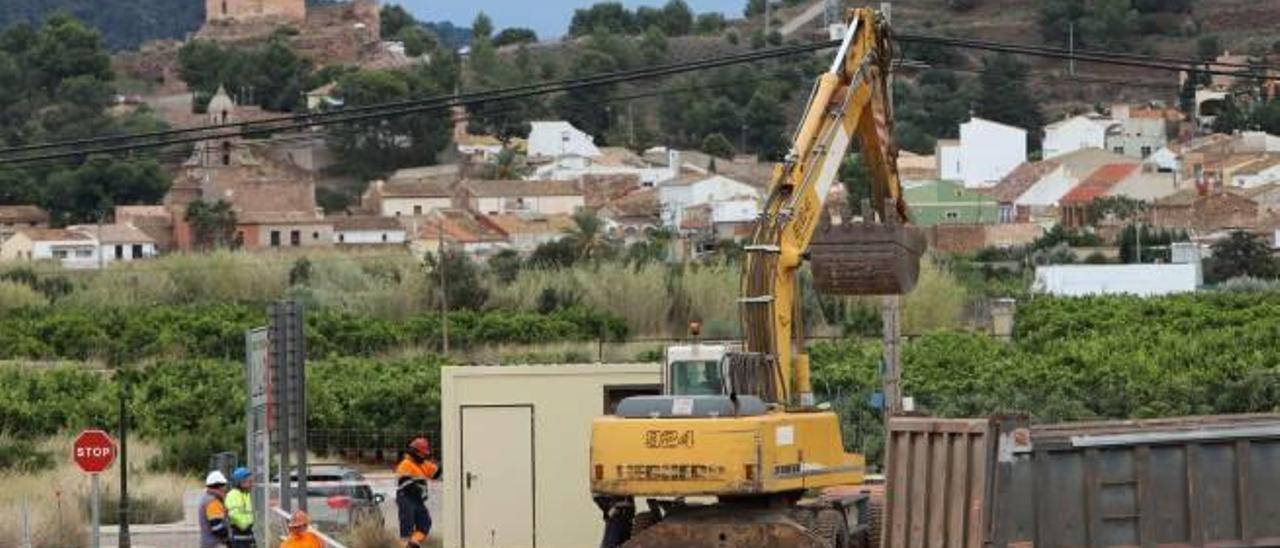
[[72, 249], [367, 230], [1142, 280], [1072, 168], [119, 242], [1165, 160], [1137, 137], [1259, 172], [558, 138], [575, 166], [675, 197], [542, 197], [1075, 133], [985, 153]]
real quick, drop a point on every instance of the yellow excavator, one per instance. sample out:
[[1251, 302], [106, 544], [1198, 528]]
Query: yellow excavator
[[736, 452]]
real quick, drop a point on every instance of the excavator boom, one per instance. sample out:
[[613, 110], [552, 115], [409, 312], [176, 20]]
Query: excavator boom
[[755, 441]]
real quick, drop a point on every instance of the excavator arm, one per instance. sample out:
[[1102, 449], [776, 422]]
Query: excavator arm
[[851, 100]]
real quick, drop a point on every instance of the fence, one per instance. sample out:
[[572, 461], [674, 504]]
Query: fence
[[365, 446]]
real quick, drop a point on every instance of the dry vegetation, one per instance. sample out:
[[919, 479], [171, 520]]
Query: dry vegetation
[[54, 501]]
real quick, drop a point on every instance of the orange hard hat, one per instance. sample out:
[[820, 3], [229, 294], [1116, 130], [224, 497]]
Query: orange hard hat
[[299, 519], [420, 446]]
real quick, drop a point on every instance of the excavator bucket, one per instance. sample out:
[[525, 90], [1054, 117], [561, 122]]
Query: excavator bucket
[[866, 258], [716, 527]]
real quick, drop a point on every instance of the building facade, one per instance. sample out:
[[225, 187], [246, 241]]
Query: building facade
[[948, 202], [246, 10]]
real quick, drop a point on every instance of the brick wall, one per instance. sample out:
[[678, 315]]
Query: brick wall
[[1207, 213], [965, 238]]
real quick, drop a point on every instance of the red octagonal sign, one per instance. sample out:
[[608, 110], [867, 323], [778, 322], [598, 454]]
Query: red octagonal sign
[[94, 451]]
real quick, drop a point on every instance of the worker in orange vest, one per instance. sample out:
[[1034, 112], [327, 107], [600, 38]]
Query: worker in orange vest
[[300, 534], [411, 492]]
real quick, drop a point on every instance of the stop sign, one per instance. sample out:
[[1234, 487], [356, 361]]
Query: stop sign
[[93, 451]]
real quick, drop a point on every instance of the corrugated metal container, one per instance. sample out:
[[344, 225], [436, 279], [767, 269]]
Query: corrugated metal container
[[1196, 481]]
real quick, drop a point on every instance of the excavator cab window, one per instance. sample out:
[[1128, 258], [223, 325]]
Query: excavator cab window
[[696, 378]]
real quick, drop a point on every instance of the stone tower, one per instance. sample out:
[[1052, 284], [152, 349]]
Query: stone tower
[[247, 10]]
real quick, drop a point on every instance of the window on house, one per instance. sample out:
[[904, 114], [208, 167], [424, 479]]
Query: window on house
[[275, 238], [1146, 151], [1117, 150], [119, 252], [224, 7], [295, 238], [384, 236], [315, 235], [397, 214], [137, 251], [226, 153], [59, 253], [342, 238], [417, 210], [84, 253], [951, 215]]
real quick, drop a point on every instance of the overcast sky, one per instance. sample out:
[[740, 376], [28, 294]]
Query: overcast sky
[[549, 18]]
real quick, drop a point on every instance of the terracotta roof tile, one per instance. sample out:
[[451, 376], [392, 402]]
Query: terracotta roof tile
[[364, 222], [1098, 183], [23, 214], [54, 235], [114, 233], [513, 189], [1020, 180]]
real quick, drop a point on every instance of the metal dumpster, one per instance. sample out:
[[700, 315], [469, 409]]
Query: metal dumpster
[[1196, 481]]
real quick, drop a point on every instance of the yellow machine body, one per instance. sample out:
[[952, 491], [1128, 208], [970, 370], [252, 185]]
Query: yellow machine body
[[730, 456]]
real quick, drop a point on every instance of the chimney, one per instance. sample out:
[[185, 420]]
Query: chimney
[[673, 162]]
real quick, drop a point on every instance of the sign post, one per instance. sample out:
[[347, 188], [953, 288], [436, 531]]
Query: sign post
[[94, 451], [258, 369]]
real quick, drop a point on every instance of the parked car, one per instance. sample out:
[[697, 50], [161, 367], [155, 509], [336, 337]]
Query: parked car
[[338, 497]]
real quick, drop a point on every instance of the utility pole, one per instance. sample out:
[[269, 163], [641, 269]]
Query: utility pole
[[444, 295], [1071, 45], [124, 541], [767, 16]]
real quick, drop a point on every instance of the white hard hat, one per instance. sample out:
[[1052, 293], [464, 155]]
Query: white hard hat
[[215, 478]]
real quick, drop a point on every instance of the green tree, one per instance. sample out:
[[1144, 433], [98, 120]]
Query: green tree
[[588, 239], [370, 149], [754, 8], [717, 145], [213, 226], [505, 265], [1241, 254], [464, 287], [482, 26], [709, 23], [766, 123], [64, 48], [1056, 18], [653, 46], [395, 19], [1004, 96], [857, 182], [1208, 47], [1110, 25], [677, 18], [515, 35], [609, 17]]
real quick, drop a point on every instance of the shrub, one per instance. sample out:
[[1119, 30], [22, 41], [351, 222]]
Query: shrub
[[21, 455]]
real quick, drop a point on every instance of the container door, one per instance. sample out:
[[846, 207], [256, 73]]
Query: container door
[[497, 476]]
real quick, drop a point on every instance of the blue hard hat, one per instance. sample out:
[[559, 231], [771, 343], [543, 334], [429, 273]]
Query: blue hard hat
[[240, 474]]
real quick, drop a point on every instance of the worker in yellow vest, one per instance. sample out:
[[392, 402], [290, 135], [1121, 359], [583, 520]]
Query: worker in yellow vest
[[412, 475]]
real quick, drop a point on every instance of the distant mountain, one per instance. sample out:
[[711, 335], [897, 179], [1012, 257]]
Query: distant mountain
[[451, 35], [124, 24]]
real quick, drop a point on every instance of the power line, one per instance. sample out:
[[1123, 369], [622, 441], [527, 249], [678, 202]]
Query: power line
[[438, 102], [626, 76]]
